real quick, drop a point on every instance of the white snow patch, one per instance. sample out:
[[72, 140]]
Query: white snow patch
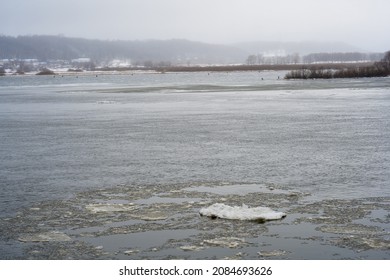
[[220, 210]]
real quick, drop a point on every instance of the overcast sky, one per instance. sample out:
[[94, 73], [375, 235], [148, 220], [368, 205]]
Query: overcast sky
[[362, 23]]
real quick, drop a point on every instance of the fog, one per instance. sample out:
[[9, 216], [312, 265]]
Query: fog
[[361, 23]]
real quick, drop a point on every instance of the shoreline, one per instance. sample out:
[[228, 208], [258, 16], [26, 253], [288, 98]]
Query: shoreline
[[189, 69]]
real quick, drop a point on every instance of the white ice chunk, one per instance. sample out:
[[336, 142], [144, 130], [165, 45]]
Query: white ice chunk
[[192, 248], [220, 210], [131, 252]]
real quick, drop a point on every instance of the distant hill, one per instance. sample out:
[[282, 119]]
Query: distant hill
[[46, 48], [175, 52]]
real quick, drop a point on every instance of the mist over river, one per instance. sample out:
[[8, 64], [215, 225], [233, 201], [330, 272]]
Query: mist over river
[[157, 148]]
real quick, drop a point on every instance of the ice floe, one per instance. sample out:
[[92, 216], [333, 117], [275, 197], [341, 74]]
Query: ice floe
[[239, 189], [100, 207], [162, 222], [376, 243], [226, 242], [192, 248], [152, 216], [352, 229], [274, 253], [261, 214], [131, 252], [53, 236]]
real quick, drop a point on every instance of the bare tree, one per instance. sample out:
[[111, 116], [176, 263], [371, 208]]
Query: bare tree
[[386, 59], [251, 60]]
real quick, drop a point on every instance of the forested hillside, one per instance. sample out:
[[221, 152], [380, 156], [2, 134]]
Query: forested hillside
[[46, 48]]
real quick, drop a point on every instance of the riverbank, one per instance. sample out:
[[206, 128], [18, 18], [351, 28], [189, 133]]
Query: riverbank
[[196, 68]]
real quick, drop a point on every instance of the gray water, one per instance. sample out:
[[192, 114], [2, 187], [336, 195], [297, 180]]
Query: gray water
[[67, 135]]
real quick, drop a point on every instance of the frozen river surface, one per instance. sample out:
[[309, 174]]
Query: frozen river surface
[[152, 149]]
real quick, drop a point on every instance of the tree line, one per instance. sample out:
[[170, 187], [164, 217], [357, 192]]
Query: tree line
[[295, 58], [378, 69]]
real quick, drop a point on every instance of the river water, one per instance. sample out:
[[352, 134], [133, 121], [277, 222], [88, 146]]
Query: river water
[[69, 138]]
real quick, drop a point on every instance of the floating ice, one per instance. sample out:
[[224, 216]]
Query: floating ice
[[241, 189], [53, 236], [191, 248], [152, 216], [352, 229], [376, 243], [100, 207], [230, 242], [131, 252], [274, 253], [261, 214]]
